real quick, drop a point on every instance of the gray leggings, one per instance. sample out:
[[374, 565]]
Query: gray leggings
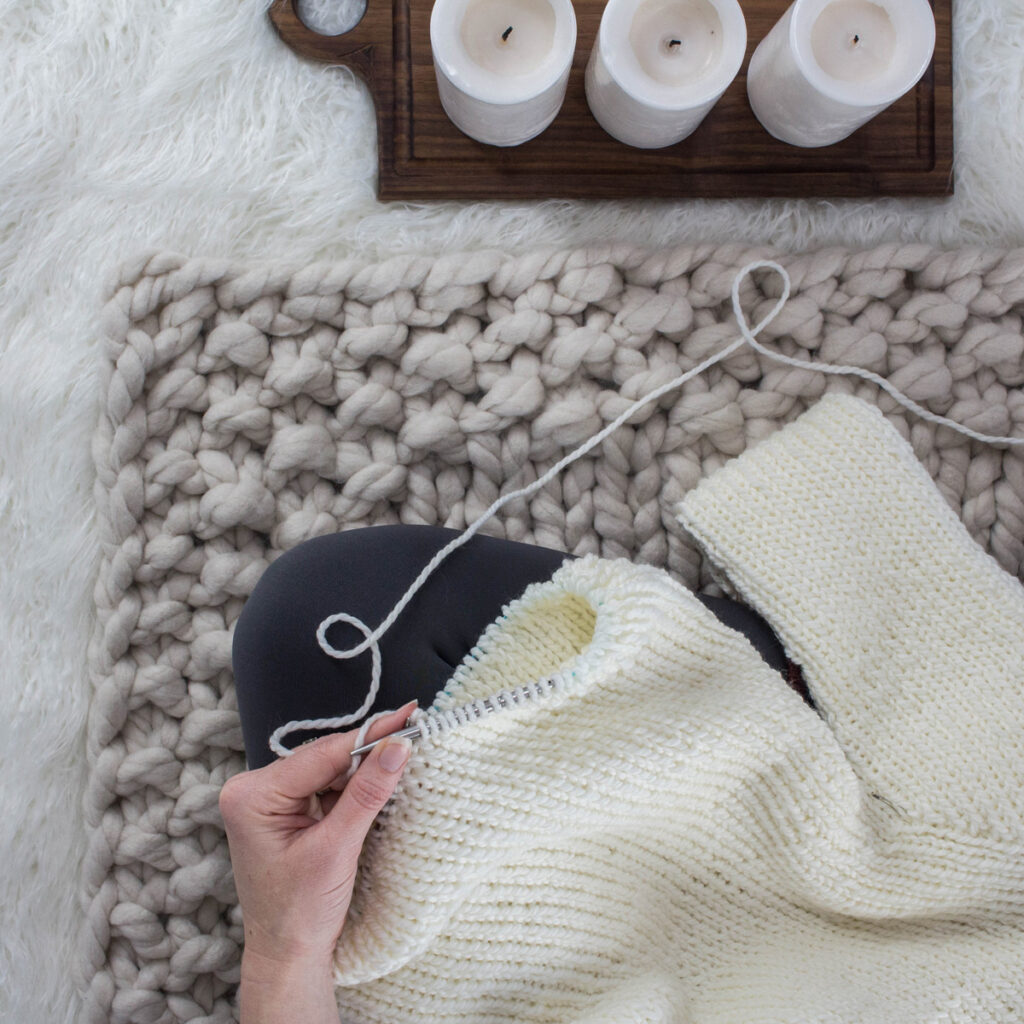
[[281, 673]]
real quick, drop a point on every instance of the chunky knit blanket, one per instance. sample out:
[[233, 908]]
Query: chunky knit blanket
[[249, 408]]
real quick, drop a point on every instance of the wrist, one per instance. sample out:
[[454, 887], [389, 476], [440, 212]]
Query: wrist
[[261, 966], [276, 947], [275, 989]]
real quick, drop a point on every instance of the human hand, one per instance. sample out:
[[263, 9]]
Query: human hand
[[295, 830]]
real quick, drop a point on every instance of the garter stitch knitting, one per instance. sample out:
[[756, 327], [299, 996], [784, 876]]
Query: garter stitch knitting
[[672, 835]]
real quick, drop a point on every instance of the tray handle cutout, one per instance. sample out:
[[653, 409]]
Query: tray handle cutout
[[359, 48]]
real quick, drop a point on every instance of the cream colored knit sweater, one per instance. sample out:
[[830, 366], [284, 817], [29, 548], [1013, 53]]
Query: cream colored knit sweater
[[674, 835]]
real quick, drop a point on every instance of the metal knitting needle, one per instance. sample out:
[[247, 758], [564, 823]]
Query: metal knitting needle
[[414, 730]]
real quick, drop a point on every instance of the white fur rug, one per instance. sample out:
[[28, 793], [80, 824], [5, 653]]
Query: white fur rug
[[186, 124]]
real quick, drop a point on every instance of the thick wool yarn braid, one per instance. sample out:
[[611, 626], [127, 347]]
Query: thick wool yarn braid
[[250, 408]]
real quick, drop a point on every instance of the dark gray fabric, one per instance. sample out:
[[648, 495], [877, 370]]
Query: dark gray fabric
[[281, 673]]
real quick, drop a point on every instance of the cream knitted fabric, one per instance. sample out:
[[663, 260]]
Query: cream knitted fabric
[[673, 835]]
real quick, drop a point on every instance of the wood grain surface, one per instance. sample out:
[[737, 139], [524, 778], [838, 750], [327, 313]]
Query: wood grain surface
[[905, 151]]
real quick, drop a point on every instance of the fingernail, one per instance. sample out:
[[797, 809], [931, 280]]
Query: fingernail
[[394, 753]]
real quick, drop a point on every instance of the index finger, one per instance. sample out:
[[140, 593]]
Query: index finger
[[315, 766]]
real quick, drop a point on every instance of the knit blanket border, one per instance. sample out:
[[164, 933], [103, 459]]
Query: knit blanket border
[[248, 408]]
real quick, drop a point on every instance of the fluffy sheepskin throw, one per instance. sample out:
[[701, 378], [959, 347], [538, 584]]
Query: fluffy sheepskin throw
[[251, 407], [191, 127], [670, 834]]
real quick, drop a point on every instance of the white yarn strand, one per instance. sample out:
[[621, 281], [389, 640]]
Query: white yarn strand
[[850, 371], [336, 723], [432, 722]]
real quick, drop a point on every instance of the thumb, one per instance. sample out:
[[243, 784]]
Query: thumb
[[368, 791]]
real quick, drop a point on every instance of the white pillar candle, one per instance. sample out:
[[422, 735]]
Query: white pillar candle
[[502, 65], [658, 66], [829, 66]]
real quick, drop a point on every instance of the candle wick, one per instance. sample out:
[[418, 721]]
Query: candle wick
[[673, 43], [856, 40], [506, 34]]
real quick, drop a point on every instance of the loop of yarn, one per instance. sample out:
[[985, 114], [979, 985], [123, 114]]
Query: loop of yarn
[[748, 336], [337, 722]]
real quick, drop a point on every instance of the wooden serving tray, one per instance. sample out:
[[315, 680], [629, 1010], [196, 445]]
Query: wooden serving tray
[[906, 151]]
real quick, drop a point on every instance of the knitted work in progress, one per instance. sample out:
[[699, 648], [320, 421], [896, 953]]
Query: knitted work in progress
[[251, 408], [672, 834]]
